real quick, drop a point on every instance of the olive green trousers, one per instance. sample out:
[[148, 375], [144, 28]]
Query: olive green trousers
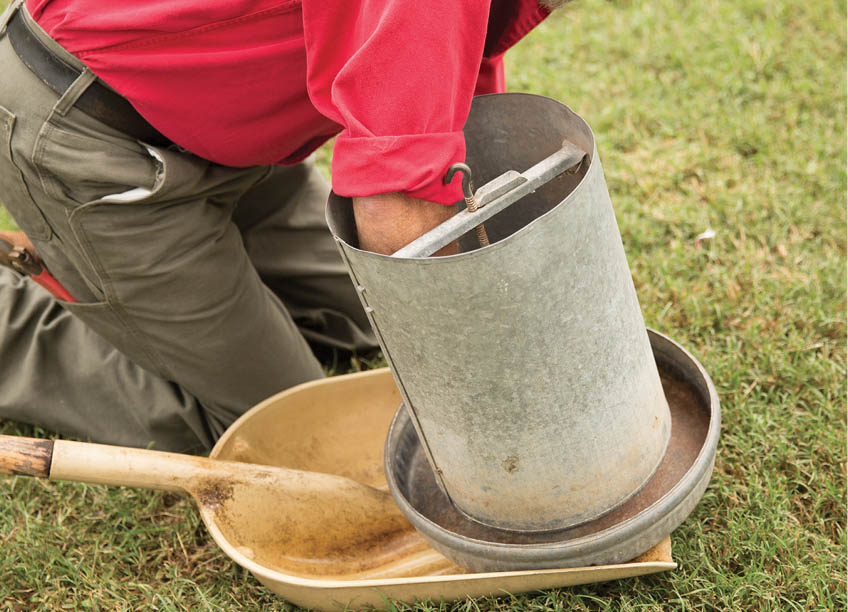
[[200, 287]]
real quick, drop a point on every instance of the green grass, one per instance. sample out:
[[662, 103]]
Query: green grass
[[6, 221], [727, 115]]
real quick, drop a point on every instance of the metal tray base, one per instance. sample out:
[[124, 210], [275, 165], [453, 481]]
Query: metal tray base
[[622, 534]]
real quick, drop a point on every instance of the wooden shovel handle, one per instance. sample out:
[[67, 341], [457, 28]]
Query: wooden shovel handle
[[112, 465], [25, 456]]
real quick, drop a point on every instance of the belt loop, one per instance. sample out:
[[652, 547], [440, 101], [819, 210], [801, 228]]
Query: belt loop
[[74, 91], [7, 15]]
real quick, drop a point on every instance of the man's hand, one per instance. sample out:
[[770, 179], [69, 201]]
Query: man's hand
[[389, 221], [19, 239]]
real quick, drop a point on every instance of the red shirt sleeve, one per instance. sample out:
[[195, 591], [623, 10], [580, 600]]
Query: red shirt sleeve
[[398, 75], [491, 78]]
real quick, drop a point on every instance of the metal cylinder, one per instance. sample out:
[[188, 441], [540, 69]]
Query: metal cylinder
[[525, 365]]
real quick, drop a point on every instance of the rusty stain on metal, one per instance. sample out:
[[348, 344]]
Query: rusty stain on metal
[[510, 464]]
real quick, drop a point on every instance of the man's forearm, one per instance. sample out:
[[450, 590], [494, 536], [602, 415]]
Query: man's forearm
[[389, 221]]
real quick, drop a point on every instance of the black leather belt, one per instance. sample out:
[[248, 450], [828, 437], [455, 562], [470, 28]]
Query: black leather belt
[[97, 100]]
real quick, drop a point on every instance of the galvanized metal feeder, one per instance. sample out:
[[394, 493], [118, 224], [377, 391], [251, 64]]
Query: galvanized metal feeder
[[524, 363]]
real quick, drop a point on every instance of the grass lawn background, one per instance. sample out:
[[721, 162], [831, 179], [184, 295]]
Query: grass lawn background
[[723, 115]]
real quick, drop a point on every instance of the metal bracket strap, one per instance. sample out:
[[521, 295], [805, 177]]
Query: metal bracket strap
[[492, 198]]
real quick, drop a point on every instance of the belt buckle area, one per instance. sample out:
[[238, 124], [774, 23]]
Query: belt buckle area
[[78, 87]]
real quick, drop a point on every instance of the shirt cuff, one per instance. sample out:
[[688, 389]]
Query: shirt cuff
[[411, 164]]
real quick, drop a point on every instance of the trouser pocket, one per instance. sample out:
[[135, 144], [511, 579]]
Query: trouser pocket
[[14, 193], [76, 167]]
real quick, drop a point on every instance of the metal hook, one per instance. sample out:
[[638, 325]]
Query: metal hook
[[468, 194], [467, 184]]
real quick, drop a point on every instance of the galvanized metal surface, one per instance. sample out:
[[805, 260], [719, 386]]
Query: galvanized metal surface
[[525, 365], [643, 521]]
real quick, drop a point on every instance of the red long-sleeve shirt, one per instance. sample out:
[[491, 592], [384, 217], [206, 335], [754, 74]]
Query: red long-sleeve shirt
[[249, 82]]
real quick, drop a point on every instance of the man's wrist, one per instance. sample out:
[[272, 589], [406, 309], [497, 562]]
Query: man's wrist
[[390, 221]]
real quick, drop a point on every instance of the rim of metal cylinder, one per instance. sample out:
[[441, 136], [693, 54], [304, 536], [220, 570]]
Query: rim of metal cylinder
[[650, 524]]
